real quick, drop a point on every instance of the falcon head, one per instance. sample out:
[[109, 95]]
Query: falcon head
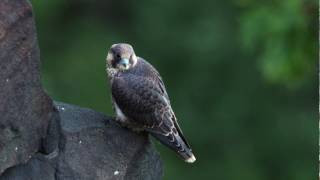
[[121, 57]]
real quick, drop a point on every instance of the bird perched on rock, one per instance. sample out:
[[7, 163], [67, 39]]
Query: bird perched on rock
[[140, 99]]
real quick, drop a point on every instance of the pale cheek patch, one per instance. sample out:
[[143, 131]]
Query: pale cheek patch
[[109, 58], [134, 59]]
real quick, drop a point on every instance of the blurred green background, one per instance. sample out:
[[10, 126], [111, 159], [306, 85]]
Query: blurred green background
[[241, 74]]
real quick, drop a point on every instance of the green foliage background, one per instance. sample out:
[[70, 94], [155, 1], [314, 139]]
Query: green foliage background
[[241, 75]]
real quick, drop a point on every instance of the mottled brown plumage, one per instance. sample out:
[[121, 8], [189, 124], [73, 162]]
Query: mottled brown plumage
[[141, 101]]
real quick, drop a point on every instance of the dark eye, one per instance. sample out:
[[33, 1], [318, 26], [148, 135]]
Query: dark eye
[[118, 55]]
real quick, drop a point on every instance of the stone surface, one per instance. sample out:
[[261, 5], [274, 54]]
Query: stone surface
[[37, 168], [92, 146], [25, 109], [42, 140], [108, 150]]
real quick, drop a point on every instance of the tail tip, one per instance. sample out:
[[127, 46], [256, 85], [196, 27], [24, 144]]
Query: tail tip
[[191, 159]]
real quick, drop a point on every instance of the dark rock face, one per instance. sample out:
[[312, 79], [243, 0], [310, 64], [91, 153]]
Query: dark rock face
[[108, 150], [42, 140], [37, 168], [92, 146], [25, 109]]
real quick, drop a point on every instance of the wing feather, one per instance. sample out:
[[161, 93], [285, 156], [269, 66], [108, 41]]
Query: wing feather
[[147, 103]]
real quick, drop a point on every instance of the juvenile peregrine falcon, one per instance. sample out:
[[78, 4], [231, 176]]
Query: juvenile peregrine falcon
[[140, 99]]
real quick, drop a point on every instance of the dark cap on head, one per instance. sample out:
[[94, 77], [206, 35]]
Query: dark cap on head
[[121, 49]]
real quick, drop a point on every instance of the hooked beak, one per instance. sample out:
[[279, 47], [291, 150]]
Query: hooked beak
[[124, 62]]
